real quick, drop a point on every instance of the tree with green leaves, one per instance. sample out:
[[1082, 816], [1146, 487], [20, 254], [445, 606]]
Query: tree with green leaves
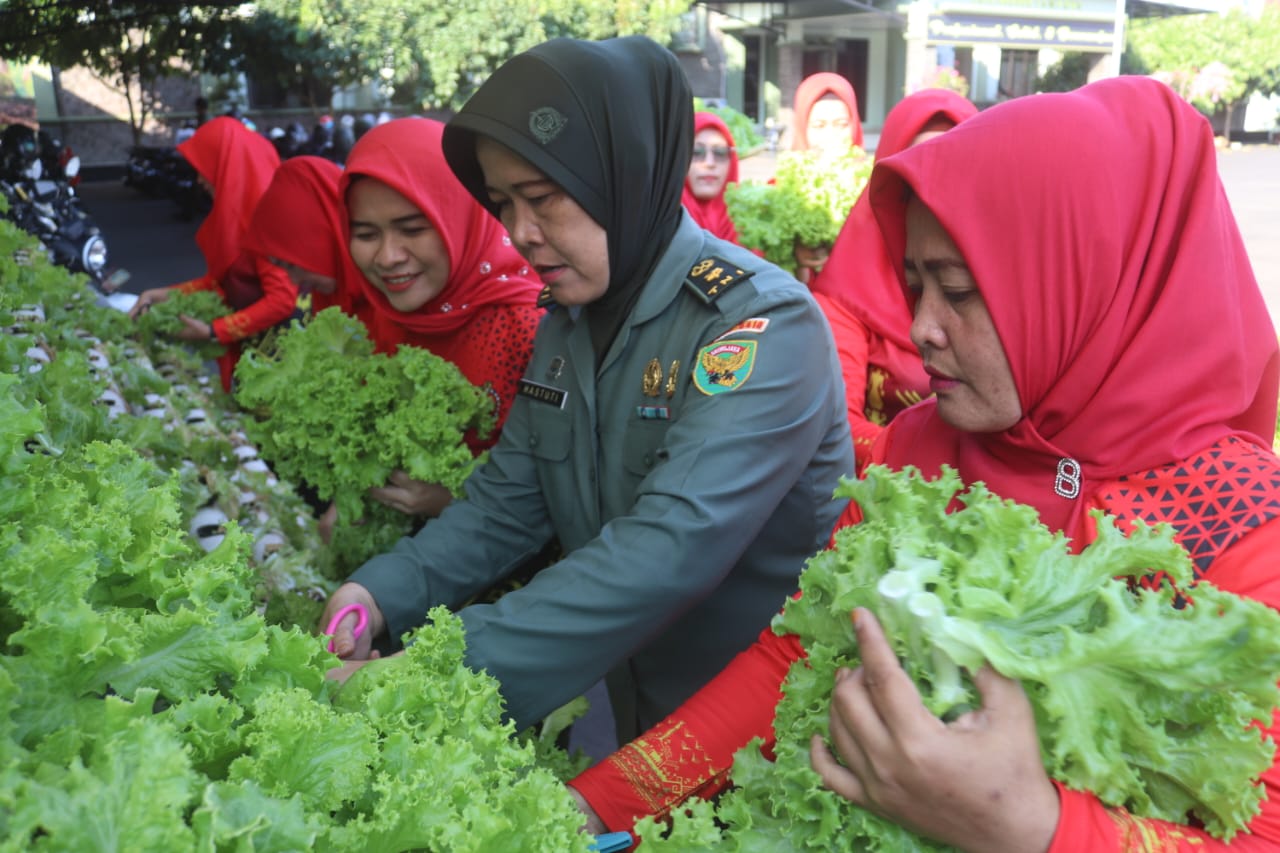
[[128, 46], [425, 53], [432, 55], [281, 51], [1216, 61]]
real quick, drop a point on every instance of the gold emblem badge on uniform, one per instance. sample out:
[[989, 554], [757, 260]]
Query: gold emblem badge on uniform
[[723, 366]]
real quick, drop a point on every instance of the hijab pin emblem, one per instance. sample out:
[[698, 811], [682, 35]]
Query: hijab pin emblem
[[1067, 482], [545, 123]]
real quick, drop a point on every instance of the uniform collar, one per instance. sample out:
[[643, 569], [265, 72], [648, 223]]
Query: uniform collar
[[668, 276]]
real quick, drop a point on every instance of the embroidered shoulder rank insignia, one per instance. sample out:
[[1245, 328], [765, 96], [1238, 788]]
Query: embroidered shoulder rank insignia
[[544, 299], [723, 366], [713, 275]]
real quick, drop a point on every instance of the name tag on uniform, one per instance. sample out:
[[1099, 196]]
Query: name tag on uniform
[[542, 393]]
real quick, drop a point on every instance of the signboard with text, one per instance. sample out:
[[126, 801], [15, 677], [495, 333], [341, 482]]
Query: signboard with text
[[1017, 32]]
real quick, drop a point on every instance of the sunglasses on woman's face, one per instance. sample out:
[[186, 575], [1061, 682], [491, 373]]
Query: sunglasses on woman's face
[[719, 153]]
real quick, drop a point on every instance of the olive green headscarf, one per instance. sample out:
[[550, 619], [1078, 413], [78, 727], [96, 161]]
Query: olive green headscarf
[[611, 122]]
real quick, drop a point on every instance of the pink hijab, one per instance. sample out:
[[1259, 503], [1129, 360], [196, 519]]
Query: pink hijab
[[712, 214], [1117, 280], [860, 274], [809, 92], [484, 268]]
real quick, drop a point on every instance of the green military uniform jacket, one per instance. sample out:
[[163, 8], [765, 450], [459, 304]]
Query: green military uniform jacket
[[687, 479]]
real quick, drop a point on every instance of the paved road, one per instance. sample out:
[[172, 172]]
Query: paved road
[[1251, 177], [144, 235]]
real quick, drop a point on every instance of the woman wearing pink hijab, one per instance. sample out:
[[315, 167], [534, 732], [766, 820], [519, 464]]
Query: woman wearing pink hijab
[[713, 167], [824, 121], [1107, 351], [860, 294], [825, 114]]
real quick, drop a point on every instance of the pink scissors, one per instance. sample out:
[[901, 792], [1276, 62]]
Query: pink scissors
[[362, 620]]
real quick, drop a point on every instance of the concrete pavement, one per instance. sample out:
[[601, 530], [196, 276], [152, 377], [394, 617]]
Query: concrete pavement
[[1251, 178]]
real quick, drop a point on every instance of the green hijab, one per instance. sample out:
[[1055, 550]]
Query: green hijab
[[611, 122]]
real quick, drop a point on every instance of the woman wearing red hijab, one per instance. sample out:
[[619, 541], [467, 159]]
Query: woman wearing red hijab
[[300, 225], [825, 115], [860, 293], [713, 167], [236, 165], [439, 271], [1110, 350], [825, 121]]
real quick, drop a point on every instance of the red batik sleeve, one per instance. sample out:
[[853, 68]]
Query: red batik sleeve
[[194, 285], [278, 300], [1248, 568], [852, 349], [690, 752]]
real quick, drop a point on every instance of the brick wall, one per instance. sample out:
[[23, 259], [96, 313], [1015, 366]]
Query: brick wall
[[94, 116]]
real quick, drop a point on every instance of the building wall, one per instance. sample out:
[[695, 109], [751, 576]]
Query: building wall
[[93, 116]]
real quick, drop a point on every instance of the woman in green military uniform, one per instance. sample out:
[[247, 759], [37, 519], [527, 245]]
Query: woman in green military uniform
[[680, 428]]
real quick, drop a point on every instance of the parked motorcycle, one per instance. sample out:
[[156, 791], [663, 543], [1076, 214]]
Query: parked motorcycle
[[161, 172], [42, 201]]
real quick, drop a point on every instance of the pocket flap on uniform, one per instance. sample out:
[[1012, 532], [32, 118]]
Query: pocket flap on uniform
[[550, 434], [643, 446]]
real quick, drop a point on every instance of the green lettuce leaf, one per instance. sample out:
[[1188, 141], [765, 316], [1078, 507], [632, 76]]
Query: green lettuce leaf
[[1139, 699]]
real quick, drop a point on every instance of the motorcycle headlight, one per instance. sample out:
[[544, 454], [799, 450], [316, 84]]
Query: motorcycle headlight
[[94, 254]]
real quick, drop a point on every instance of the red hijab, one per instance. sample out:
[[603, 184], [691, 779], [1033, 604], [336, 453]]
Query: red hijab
[[860, 273], [239, 164], [712, 214], [811, 90], [301, 220], [1117, 280], [484, 268]]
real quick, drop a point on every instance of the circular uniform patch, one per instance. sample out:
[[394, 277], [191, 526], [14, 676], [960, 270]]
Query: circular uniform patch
[[723, 366]]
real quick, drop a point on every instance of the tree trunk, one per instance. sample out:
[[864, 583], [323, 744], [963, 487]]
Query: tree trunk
[[126, 83]]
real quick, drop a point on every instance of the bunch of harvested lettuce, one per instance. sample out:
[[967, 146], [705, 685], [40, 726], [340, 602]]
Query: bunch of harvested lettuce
[[1147, 704]]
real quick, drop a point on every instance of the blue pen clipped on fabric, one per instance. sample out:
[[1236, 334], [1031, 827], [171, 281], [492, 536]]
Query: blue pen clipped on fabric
[[611, 842]]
